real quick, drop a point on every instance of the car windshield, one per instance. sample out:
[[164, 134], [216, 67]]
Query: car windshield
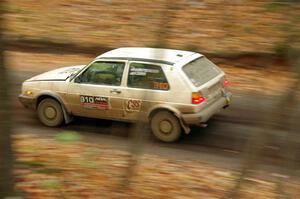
[[200, 71]]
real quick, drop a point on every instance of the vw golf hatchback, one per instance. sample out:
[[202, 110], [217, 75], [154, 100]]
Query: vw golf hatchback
[[169, 89]]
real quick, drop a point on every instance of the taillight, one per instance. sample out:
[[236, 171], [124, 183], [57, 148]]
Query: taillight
[[197, 98], [225, 83]]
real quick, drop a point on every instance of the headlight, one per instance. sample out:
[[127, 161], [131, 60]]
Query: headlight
[[28, 92], [26, 89]]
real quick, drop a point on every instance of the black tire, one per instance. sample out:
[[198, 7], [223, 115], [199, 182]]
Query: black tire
[[50, 112], [165, 126]]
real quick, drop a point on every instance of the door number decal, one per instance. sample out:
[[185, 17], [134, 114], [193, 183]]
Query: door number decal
[[95, 102]]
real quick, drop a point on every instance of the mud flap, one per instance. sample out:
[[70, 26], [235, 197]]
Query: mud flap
[[185, 127], [68, 118]]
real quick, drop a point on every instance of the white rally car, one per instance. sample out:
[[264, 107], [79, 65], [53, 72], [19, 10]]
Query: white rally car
[[169, 89]]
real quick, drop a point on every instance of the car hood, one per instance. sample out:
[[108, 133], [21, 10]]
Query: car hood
[[60, 74]]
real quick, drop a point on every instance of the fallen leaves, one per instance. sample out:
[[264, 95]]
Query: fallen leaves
[[47, 168]]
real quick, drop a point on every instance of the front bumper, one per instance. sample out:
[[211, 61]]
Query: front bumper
[[27, 102], [205, 114]]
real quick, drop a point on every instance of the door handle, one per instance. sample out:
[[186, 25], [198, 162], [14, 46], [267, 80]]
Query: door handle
[[115, 91]]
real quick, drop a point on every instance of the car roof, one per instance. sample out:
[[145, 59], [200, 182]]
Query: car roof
[[157, 55]]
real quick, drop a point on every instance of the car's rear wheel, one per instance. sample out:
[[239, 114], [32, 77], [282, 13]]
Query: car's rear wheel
[[165, 126], [50, 112]]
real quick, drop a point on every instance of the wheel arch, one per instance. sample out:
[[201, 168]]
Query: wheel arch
[[163, 107], [45, 95]]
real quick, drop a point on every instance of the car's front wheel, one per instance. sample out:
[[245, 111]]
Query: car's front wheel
[[165, 126], [50, 112]]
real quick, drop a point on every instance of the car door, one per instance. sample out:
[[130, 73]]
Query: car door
[[147, 86], [97, 91]]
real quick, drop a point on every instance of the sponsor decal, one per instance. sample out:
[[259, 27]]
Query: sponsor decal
[[133, 105], [95, 102], [145, 70], [142, 71], [138, 73]]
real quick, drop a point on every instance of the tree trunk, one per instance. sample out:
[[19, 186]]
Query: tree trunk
[[6, 160], [139, 132]]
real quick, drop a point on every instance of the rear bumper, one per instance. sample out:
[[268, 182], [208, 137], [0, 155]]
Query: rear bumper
[[205, 114], [27, 102]]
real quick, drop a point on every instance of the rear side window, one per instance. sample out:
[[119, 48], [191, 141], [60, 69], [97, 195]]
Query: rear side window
[[200, 71], [147, 76]]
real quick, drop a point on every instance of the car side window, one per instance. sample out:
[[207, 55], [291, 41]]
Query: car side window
[[103, 73], [147, 76]]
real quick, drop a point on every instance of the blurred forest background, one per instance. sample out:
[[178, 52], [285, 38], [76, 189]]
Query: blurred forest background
[[218, 26]]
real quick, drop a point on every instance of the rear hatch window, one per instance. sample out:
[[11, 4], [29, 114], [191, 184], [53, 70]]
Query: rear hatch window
[[200, 71]]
